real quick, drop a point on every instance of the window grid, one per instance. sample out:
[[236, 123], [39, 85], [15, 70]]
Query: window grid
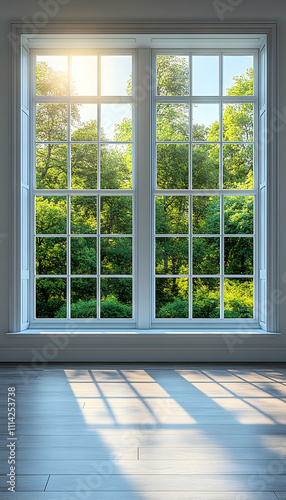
[[96, 193], [221, 99]]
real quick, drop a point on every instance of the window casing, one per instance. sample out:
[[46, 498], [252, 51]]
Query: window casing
[[184, 323]]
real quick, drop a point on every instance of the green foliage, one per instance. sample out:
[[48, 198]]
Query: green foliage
[[84, 166], [51, 215], [172, 212], [51, 166], [83, 255], [238, 298], [110, 308], [172, 166], [50, 297], [238, 215], [205, 166], [206, 298], [172, 255], [206, 252], [169, 290], [83, 215], [172, 75], [49, 81], [238, 255], [206, 214], [243, 84], [179, 308], [116, 255]]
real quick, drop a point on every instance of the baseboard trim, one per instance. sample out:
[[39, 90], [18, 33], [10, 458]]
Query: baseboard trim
[[41, 356]]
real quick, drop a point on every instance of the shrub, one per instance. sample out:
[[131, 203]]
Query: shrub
[[110, 308]]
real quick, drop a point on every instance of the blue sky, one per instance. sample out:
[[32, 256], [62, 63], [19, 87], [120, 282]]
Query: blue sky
[[115, 72]]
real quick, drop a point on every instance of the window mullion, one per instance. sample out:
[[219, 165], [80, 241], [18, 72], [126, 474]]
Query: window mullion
[[143, 198]]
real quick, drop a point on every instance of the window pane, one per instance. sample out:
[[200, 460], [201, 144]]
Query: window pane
[[206, 214], [172, 166], [51, 122], [84, 122], [83, 215], [51, 215], [206, 298], [205, 75], [238, 75], [205, 166], [84, 75], [51, 298], [172, 214], [116, 214], [173, 75], [116, 166], [51, 166], [116, 255], [83, 255], [172, 255], [172, 122], [84, 166], [238, 298], [51, 255], [172, 298], [116, 75], [238, 255], [205, 122], [52, 75], [237, 166], [238, 122], [116, 298], [83, 298], [206, 253], [116, 122], [238, 214]]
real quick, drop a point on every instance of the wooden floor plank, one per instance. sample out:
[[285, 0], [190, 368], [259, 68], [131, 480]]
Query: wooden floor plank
[[68, 453], [144, 416], [147, 431], [212, 430], [153, 438], [25, 483], [189, 453], [148, 467], [178, 482]]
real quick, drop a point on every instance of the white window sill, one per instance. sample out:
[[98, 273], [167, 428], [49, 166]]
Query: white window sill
[[81, 332]]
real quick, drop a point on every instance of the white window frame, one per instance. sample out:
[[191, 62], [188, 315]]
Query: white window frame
[[219, 322], [76, 323], [19, 320]]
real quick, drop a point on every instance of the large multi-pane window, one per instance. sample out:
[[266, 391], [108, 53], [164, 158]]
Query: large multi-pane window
[[83, 185], [204, 178], [85, 152]]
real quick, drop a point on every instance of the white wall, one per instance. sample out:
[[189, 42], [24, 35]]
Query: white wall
[[135, 10]]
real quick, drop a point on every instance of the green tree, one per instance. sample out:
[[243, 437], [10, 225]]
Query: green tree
[[172, 213]]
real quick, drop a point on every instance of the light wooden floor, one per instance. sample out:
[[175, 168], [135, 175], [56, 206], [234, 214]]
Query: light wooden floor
[[147, 432]]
